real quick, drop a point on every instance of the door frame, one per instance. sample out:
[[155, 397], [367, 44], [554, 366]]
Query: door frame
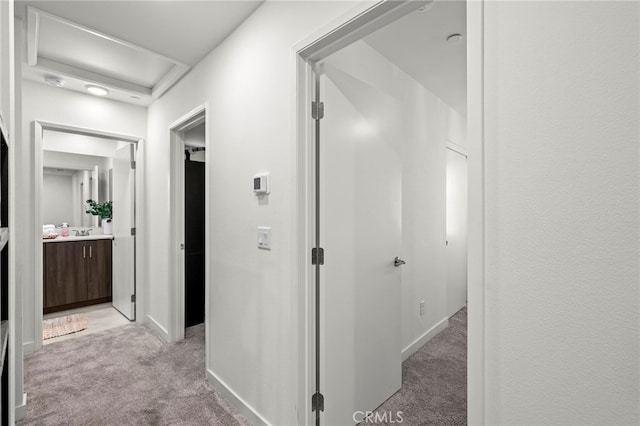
[[193, 118], [38, 131], [352, 26]]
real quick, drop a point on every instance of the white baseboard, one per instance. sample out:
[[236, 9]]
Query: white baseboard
[[243, 407], [157, 328], [420, 341], [21, 410], [28, 348]]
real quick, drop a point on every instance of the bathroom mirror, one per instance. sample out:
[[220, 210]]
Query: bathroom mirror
[[64, 192], [75, 168]]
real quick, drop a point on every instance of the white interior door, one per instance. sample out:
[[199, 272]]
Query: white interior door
[[360, 211], [123, 193], [456, 231]]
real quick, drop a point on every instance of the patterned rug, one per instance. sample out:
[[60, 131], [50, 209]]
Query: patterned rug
[[60, 326]]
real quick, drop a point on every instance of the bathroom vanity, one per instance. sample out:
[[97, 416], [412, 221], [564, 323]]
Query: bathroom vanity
[[76, 272]]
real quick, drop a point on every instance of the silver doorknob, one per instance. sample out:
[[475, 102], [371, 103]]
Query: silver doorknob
[[397, 261]]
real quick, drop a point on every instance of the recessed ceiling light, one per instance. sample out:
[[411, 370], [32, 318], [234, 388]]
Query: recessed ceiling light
[[96, 90], [454, 38], [52, 80]]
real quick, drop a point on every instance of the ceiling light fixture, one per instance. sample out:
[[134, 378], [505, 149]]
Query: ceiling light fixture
[[454, 38], [54, 81], [96, 90]]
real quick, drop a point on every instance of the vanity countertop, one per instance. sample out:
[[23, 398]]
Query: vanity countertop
[[70, 238]]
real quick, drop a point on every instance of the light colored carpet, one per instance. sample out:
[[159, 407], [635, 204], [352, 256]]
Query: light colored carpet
[[127, 376], [61, 326], [434, 381], [124, 376]]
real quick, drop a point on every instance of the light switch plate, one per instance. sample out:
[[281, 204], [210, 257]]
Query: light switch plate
[[264, 237]]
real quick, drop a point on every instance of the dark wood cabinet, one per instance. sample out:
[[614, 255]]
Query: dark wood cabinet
[[65, 275], [99, 270], [76, 273]]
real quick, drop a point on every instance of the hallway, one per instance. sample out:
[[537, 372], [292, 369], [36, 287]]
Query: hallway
[[124, 376], [80, 381]]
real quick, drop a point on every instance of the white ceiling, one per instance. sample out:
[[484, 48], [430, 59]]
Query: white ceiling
[[417, 44], [139, 49], [136, 49]]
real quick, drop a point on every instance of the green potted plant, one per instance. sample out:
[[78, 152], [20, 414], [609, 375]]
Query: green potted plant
[[104, 211]]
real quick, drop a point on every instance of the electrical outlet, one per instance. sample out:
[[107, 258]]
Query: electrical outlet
[[422, 307]]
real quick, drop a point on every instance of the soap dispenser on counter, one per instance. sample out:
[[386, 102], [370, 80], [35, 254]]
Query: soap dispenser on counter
[[65, 229]]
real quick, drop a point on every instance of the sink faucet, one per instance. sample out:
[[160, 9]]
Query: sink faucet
[[82, 232]]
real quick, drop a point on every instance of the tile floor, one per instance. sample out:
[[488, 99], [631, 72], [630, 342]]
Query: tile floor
[[101, 317]]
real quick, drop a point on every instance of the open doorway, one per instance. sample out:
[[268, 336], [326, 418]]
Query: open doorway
[[194, 225], [389, 97], [86, 256], [188, 221]]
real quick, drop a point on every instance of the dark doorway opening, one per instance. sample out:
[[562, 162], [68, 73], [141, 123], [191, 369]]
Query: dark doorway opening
[[194, 181]]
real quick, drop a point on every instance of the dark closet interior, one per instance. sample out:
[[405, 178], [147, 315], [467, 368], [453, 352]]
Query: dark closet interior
[[194, 241]]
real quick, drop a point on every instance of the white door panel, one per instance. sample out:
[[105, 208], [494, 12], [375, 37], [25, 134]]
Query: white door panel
[[123, 221], [361, 234]]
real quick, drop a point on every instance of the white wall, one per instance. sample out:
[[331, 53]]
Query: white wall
[[79, 144], [249, 82], [50, 104], [561, 204], [57, 196]]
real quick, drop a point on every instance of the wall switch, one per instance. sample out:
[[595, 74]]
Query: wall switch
[[264, 237], [422, 307]]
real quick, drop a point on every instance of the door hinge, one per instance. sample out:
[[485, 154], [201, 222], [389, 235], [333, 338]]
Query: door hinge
[[317, 402], [317, 256], [133, 165], [133, 298], [133, 232], [317, 110]]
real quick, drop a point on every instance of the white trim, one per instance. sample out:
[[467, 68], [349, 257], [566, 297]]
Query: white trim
[[357, 26], [303, 232], [428, 335], [176, 259], [476, 287], [38, 129], [65, 128], [208, 219], [21, 409], [169, 79], [156, 328], [240, 404]]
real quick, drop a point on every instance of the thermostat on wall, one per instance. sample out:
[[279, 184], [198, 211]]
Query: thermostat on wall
[[261, 184]]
